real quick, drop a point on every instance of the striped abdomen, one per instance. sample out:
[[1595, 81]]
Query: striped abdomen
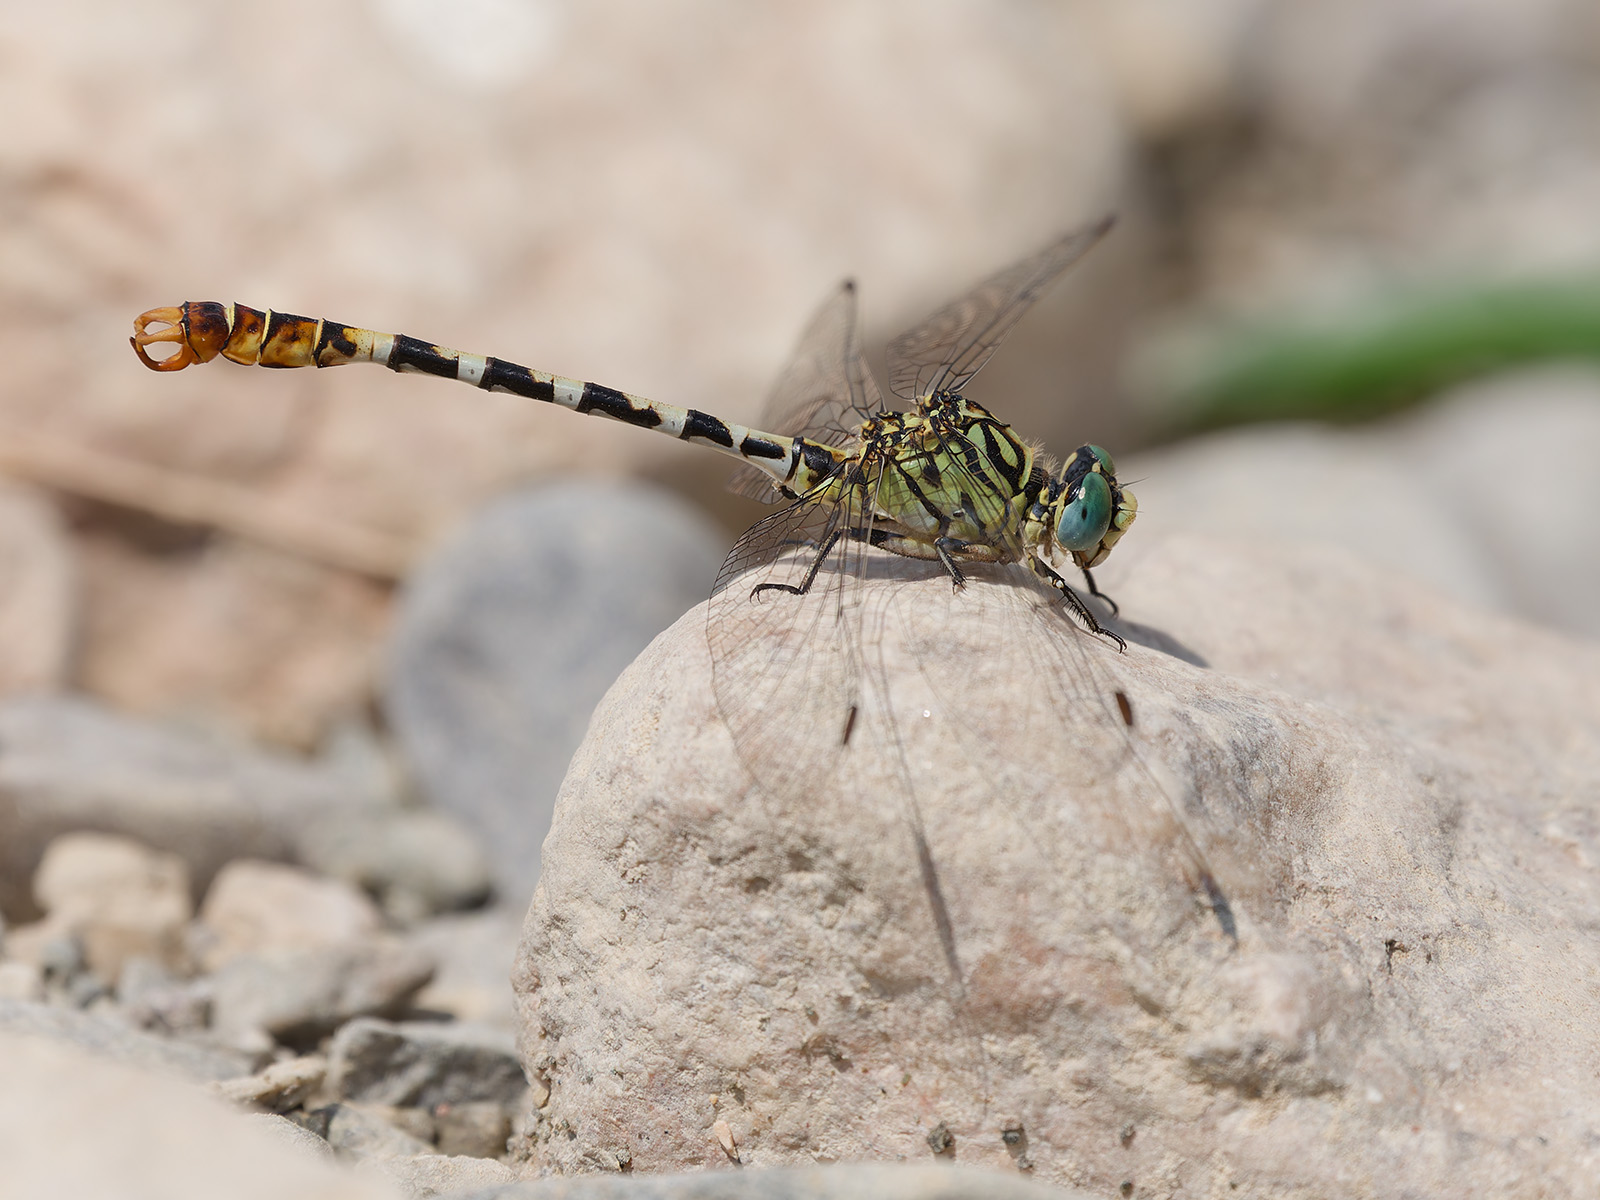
[[204, 329]]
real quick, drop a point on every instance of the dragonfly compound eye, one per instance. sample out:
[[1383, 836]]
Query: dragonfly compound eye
[[1085, 519], [1104, 459]]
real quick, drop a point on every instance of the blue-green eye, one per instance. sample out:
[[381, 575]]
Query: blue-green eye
[[1084, 521], [1104, 459]]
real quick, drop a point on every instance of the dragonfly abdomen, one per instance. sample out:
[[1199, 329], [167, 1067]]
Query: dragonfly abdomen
[[204, 330]]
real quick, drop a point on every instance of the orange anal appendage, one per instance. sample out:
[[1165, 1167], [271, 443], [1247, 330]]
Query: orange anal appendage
[[174, 332]]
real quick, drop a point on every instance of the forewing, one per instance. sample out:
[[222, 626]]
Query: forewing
[[824, 393], [950, 347]]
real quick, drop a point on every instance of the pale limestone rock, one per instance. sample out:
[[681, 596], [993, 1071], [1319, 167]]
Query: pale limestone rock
[[118, 897], [72, 1125], [253, 906], [279, 1087], [1396, 797]]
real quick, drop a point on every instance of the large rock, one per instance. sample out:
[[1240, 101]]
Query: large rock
[[510, 634], [1320, 921], [71, 1125]]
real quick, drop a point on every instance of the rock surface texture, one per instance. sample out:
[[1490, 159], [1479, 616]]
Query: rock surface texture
[[1388, 987]]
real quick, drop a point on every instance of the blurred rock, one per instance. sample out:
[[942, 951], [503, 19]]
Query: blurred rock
[[848, 1181], [418, 862], [1465, 449], [21, 981], [1426, 495], [510, 633], [421, 1065], [1387, 986], [424, 1175], [278, 1087], [299, 995], [475, 1128], [1378, 142], [68, 764], [107, 1038], [301, 1139], [38, 593], [357, 1131], [118, 898], [474, 952], [162, 637], [71, 1125], [152, 998], [254, 906]]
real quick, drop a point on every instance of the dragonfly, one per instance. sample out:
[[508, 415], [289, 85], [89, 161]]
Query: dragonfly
[[931, 479]]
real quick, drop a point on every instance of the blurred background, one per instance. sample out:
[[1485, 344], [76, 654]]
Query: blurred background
[[1353, 294]]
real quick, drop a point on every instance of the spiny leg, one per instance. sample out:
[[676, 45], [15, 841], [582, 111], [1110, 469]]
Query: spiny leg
[[804, 585], [1045, 572]]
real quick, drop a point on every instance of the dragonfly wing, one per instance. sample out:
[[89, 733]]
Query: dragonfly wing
[[1077, 725], [950, 347], [824, 393], [786, 666]]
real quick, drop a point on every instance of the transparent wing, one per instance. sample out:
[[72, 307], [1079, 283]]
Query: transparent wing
[[1085, 770], [950, 347], [786, 666], [824, 393]]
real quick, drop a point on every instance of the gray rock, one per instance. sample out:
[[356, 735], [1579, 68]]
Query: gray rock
[[298, 995], [424, 1175], [356, 1131], [111, 1039], [511, 632], [1319, 918], [68, 764], [423, 1065], [417, 862], [152, 998], [855, 1181]]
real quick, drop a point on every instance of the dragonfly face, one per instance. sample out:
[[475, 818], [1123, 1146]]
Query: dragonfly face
[[1088, 509]]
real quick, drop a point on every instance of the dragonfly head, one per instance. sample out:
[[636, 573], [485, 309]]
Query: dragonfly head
[[1089, 509]]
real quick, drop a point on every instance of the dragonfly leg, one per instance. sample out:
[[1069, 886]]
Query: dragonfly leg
[[1094, 590], [944, 547], [1081, 610], [804, 585]]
